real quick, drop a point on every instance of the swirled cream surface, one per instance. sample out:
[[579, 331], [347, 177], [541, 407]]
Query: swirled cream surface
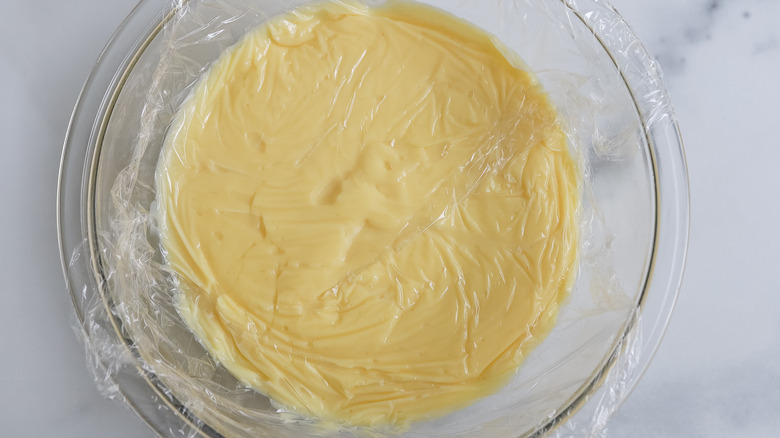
[[372, 212]]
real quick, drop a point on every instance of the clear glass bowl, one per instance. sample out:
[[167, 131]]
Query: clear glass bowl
[[634, 226]]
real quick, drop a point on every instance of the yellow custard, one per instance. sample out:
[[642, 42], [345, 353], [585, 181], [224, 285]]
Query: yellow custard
[[371, 210]]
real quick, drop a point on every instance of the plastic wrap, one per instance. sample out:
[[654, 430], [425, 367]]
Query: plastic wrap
[[614, 112]]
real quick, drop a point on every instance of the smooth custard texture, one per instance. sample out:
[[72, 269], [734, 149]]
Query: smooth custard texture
[[372, 212]]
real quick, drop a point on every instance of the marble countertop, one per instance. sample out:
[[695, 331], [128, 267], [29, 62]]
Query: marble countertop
[[717, 373]]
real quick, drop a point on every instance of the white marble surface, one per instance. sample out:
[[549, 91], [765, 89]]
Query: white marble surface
[[717, 374]]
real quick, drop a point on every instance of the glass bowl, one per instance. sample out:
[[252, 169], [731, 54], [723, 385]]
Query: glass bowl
[[634, 224]]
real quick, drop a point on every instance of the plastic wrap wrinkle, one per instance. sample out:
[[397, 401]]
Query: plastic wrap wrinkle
[[596, 319]]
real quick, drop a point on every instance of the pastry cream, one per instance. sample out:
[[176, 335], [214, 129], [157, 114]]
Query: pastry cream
[[371, 211]]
